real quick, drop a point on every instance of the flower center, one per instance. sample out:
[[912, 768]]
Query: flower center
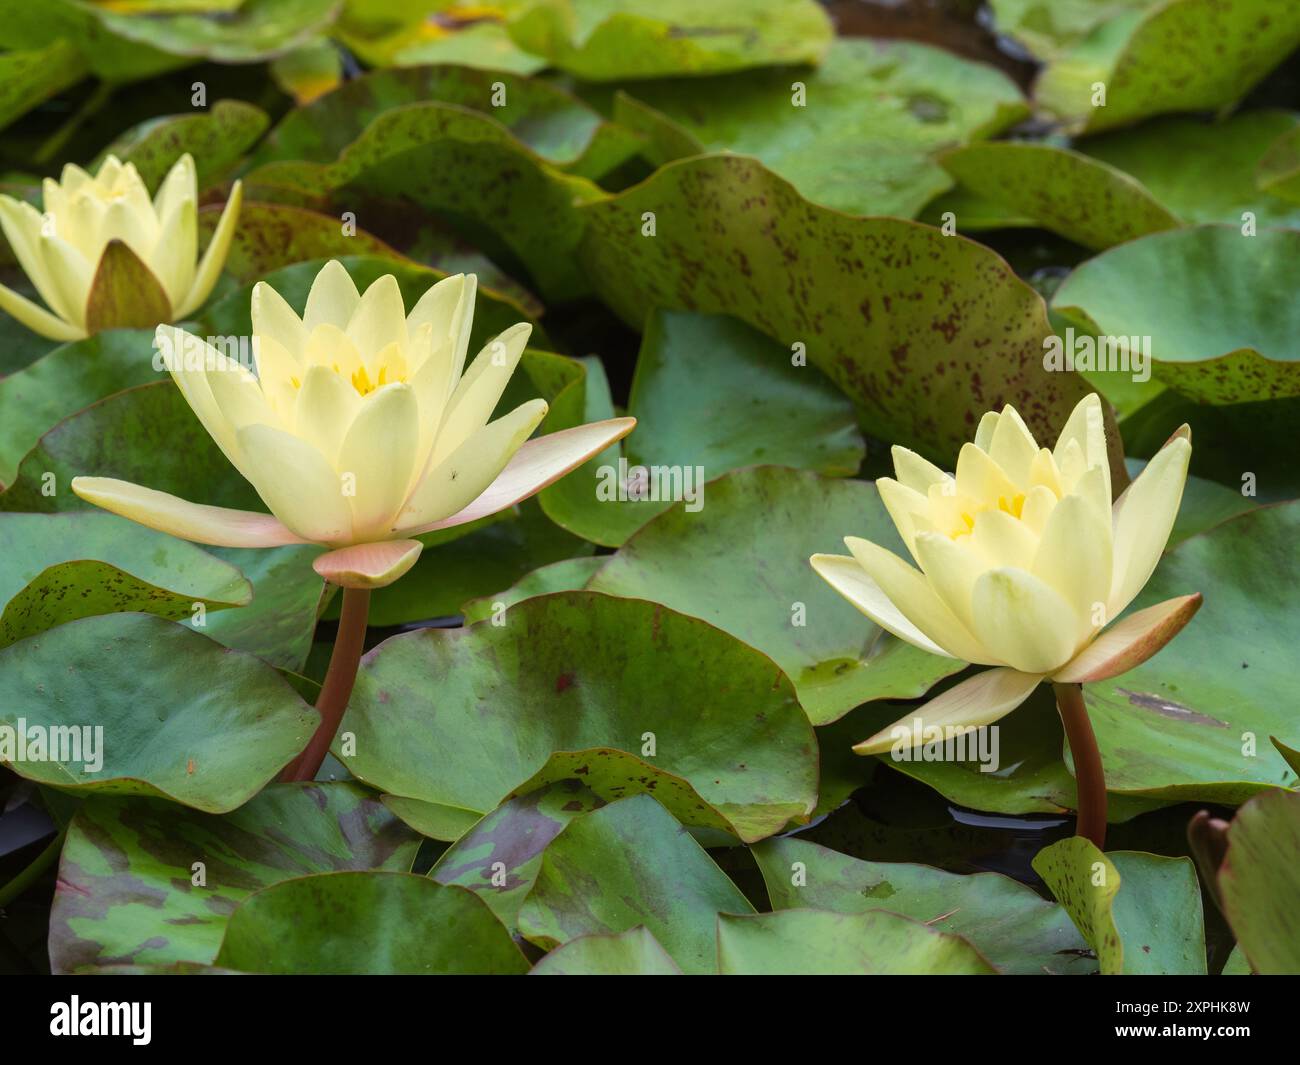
[[1013, 506]]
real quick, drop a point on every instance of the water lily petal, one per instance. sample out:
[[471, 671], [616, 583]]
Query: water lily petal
[[538, 463], [479, 390], [1130, 642], [297, 484], [915, 472], [1023, 620], [911, 593], [22, 224], [324, 411], [37, 319], [188, 359], [905, 506], [379, 452], [952, 567], [173, 256], [1086, 427], [180, 186], [1013, 446], [373, 565], [1145, 519], [333, 298], [847, 577], [379, 320], [214, 258], [216, 526], [1074, 557], [274, 318], [981, 700]]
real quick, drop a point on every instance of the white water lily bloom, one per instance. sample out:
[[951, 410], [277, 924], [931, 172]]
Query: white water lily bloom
[[104, 255], [1023, 562], [361, 429]]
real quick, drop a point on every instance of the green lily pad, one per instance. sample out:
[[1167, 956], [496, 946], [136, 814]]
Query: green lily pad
[[460, 717], [309, 70], [29, 78], [754, 538], [499, 857], [483, 45], [1141, 913], [216, 139], [256, 30], [1169, 157], [113, 58], [1278, 171], [556, 125], [632, 953], [367, 923], [861, 152], [1205, 504], [923, 332], [610, 40], [459, 163], [1049, 27], [181, 716], [59, 567], [1260, 881], [823, 943], [1185, 55], [70, 377], [710, 394], [1212, 301], [1085, 200], [127, 889], [1007, 922], [568, 575], [1193, 722], [626, 865]]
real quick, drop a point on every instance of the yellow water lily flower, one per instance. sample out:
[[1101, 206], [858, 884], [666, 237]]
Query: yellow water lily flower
[[103, 255], [359, 429], [1023, 565]]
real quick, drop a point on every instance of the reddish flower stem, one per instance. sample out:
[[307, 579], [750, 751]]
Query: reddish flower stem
[[337, 689], [1090, 780]]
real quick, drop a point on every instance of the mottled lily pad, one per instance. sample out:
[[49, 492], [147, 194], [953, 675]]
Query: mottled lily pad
[[129, 891], [632, 953], [1260, 881]]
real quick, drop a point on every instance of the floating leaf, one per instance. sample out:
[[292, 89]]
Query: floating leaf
[[1213, 303], [460, 717], [1141, 913], [29, 78], [1174, 726], [1260, 881], [861, 152], [627, 865], [181, 716], [129, 892], [59, 567], [309, 71], [610, 40], [567, 576], [819, 942], [28, 26], [367, 923], [1009, 924], [924, 332], [754, 538], [632, 953]]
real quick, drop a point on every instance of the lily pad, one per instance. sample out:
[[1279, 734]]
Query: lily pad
[[113, 58], [1085, 200], [632, 953], [1185, 55], [1260, 881], [820, 942], [127, 891], [609, 40], [70, 377], [499, 857], [1213, 302], [556, 125], [459, 717], [367, 923], [59, 567], [754, 538], [1141, 913], [29, 78], [1205, 504], [1008, 923], [863, 152], [569, 575], [923, 332], [181, 716], [630, 864], [1193, 722], [1278, 172], [216, 139]]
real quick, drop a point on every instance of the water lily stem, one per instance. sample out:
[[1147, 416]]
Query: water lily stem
[[1089, 779], [337, 689]]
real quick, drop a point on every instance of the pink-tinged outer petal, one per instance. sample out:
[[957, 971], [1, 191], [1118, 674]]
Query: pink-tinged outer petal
[[368, 565], [215, 526], [540, 462], [981, 700], [1130, 642]]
